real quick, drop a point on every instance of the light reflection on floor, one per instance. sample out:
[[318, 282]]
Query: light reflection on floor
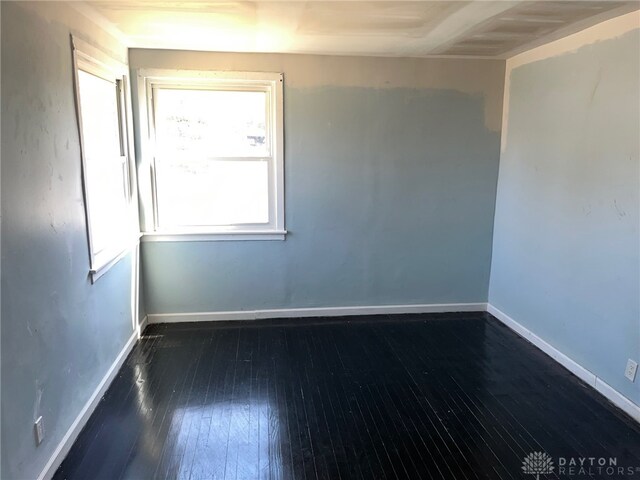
[[202, 437]]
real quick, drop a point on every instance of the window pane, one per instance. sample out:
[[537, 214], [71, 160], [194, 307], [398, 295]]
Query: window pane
[[211, 123], [200, 192], [105, 168]]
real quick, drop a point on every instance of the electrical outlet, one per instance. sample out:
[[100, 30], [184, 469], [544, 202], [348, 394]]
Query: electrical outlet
[[631, 369], [39, 429]]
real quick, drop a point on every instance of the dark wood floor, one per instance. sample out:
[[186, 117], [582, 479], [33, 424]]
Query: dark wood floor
[[406, 396]]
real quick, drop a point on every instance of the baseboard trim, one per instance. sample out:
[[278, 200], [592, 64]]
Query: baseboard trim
[[619, 400], [590, 378], [314, 312], [76, 427], [143, 325]]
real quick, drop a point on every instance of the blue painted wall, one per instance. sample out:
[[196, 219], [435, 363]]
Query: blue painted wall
[[566, 261], [60, 333], [389, 200]]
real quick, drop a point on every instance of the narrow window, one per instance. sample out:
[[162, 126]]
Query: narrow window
[[107, 190]]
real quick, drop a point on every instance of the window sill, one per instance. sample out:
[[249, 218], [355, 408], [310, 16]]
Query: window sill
[[97, 272], [213, 236], [118, 254]]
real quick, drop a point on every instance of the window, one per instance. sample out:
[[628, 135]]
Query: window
[[100, 103], [217, 162]]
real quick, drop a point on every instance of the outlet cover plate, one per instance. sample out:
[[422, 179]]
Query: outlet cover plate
[[630, 371], [39, 430]]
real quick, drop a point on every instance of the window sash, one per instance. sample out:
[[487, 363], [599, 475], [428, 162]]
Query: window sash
[[230, 87], [271, 207]]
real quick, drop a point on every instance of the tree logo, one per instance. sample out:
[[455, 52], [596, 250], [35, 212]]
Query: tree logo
[[537, 463]]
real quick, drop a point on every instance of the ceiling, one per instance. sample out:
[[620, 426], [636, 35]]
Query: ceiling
[[497, 29]]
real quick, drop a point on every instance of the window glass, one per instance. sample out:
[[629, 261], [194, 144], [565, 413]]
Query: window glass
[[200, 192], [211, 123], [105, 166]]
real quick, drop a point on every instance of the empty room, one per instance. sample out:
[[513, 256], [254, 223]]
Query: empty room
[[320, 240]]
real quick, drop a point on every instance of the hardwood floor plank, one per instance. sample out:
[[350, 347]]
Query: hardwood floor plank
[[433, 396]]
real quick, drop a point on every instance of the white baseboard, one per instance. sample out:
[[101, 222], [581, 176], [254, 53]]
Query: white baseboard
[[143, 325], [619, 400], [76, 427], [315, 312], [590, 378]]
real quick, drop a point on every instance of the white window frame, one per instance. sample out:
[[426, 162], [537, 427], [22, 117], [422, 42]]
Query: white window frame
[[268, 82], [92, 60]]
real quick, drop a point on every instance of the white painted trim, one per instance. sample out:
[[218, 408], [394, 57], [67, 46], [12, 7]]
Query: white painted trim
[[95, 58], [590, 378], [213, 236], [575, 368], [619, 400], [314, 312], [143, 325], [98, 272], [76, 427], [115, 258]]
